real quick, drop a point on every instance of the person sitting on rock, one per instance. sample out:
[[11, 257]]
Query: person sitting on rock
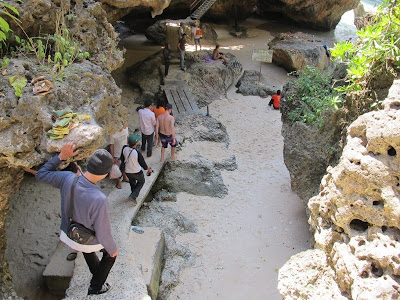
[[219, 55], [275, 100]]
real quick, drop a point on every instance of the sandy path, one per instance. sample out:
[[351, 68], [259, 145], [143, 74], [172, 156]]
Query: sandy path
[[244, 238]]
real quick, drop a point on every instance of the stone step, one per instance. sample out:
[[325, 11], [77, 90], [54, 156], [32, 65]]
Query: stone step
[[148, 249]]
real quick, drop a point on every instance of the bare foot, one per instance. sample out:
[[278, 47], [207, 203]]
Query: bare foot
[[161, 160], [174, 157]]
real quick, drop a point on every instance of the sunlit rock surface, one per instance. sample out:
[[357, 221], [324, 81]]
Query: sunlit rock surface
[[356, 216]]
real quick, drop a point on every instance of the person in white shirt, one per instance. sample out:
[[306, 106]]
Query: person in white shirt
[[134, 166], [197, 35], [117, 141], [147, 124]]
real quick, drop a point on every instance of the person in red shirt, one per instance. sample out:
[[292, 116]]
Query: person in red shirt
[[275, 100]]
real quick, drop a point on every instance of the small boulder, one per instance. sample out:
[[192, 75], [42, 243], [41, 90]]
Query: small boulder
[[253, 83], [295, 51]]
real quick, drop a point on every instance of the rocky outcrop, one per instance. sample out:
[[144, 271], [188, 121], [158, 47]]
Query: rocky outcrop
[[157, 6], [309, 150], [208, 81], [355, 217], [253, 83], [320, 15], [86, 21], [85, 88], [295, 51]]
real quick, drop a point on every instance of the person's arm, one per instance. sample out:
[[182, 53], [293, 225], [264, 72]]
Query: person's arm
[[112, 152], [173, 126], [179, 47], [141, 161], [48, 174], [26, 169], [157, 126]]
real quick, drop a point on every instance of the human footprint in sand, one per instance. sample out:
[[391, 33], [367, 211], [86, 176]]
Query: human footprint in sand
[[165, 131]]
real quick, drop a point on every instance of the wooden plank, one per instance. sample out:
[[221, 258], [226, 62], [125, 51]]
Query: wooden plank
[[178, 102], [185, 101], [191, 101], [170, 99]]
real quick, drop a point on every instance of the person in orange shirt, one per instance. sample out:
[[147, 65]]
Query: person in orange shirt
[[159, 110], [275, 100]]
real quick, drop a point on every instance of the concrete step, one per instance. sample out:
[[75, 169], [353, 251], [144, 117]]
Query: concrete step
[[148, 249], [58, 272], [125, 276]]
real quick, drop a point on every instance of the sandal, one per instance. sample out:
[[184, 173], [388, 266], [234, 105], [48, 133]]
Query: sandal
[[118, 186]]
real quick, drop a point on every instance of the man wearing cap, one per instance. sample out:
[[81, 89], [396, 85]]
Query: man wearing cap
[[90, 209], [165, 131], [134, 162]]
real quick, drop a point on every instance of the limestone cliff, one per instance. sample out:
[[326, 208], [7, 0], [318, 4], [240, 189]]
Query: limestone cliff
[[320, 14], [355, 217], [86, 89]]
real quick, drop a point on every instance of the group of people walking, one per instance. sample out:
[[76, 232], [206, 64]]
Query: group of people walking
[[85, 205]]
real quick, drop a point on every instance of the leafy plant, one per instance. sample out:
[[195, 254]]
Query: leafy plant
[[315, 96], [376, 51], [10, 11], [18, 82]]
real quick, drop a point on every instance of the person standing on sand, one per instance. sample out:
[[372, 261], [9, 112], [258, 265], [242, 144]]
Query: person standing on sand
[[165, 130], [197, 35], [147, 122], [181, 49], [90, 210], [134, 162], [117, 141]]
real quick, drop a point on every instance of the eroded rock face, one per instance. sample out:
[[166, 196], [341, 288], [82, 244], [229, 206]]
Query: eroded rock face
[[355, 217], [308, 150], [86, 21], [86, 89], [208, 81], [156, 5], [295, 51], [321, 15]]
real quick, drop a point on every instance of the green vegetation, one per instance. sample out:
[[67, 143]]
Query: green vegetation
[[316, 95], [18, 82], [376, 52], [53, 52], [375, 56], [8, 10]]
